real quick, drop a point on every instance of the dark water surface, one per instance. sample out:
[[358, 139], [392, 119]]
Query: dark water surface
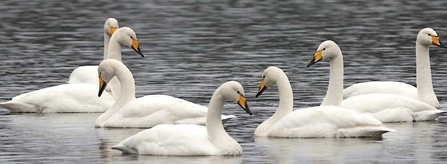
[[191, 47]]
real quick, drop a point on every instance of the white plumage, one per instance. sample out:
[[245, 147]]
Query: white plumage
[[187, 140], [385, 107], [424, 91], [322, 121], [146, 111]]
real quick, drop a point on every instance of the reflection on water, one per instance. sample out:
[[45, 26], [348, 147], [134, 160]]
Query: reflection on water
[[191, 47]]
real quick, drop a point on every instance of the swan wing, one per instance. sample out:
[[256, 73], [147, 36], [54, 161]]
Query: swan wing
[[169, 140], [398, 88], [61, 98], [327, 121], [390, 107], [152, 110]]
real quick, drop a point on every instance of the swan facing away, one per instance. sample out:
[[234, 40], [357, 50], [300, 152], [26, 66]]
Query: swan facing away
[[313, 122], [88, 74], [188, 140], [386, 107], [424, 91], [147, 111]]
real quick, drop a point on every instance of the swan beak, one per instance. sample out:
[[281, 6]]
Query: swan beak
[[317, 57], [262, 88], [436, 41], [242, 102], [102, 86], [112, 30], [136, 47]]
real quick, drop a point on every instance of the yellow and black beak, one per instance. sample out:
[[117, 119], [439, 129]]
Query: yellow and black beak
[[435, 40], [262, 88], [317, 57], [102, 86], [242, 102], [136, 47], [112, 30]]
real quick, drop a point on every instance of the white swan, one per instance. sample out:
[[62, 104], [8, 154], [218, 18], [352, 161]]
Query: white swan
[[313, 122], [88, 74], [65, 98], [112, 50], [146, 111], [424, 91], [385, 107], [187, 140]]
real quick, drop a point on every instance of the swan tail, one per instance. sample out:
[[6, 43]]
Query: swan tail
[[19, 107], [428, 115], [364, 132], [124, 149], [225, 118]]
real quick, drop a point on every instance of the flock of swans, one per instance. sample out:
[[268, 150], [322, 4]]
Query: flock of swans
[[179, 127]]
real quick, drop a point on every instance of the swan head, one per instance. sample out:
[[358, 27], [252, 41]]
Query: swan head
[[234, 91], [327, 50], [428, 36], [106, 72], [269, 77], [126, 36], [111, 26]]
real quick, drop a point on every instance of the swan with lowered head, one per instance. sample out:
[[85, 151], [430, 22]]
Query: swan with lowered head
[[313, 122], [424, 91], [385, 107], [147, 111], [187, 140]]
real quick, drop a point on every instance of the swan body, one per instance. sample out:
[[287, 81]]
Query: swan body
[[385, 107], [146, 111], [188, 140], [392, 108], [65, 98], [313, 122], [424, 91], [89, 74]]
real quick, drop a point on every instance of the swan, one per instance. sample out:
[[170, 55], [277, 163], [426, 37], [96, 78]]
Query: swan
[[65, 98], [386, 107], [187, 140], [124, 36], [88, 74], [146, 111], [424, 91], [75, 97], [312, 122]]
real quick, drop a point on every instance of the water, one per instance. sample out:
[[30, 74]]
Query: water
[[191, 47]]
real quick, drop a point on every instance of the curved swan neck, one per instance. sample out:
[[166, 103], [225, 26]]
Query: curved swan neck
[[285, 97], [114, 49], [214, 127], [423, 73], [334, 94], [127, 84], [106, 44]]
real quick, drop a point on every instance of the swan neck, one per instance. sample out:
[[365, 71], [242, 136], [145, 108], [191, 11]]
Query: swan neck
[[334, 94], [285, 97], [114, 50], [106, 44], [127, 83], [214, 127], [423, 73]]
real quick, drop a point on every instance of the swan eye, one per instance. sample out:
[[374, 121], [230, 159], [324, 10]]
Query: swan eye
[[324, 48], [263, 77], [131, 37], [429, 34], [238, 92]]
